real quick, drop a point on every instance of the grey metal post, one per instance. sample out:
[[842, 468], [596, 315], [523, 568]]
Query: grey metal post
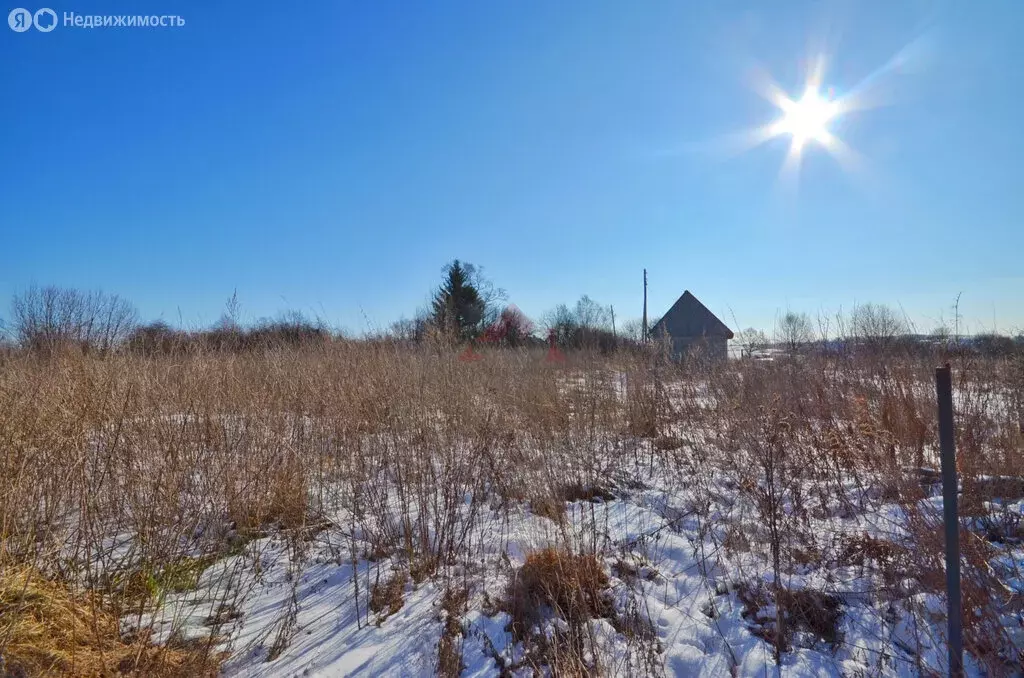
[[643, 334], [947, 446]]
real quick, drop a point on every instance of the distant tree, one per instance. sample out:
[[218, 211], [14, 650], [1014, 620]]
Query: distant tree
[[751, 340], [231, 318], [227, 334], [560, 322], [291, 328], [155, 338], [512, 328], [586, 325], [794, 331], [877, 326], [465, 303], [633, 330], [992, 344], [940, 337], [46, 318], [590, 314], [414, 329], [492, 296]]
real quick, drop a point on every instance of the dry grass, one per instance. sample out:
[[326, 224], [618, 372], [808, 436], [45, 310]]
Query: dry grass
[[549, 507], [813, 612], [194, 455], [46, 631], [386, 596], [572, 586], [863, 549], [449, 648]]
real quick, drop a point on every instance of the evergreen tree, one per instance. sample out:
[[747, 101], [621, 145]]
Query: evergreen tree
[[458, 308]]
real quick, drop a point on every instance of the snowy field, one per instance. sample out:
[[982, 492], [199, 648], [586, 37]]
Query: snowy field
[[381, 513], [682, 600]]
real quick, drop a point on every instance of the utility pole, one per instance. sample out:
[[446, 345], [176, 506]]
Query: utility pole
[[612, 308], [643, 333]]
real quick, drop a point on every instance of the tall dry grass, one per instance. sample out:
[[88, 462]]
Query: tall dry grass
[[123, 477]]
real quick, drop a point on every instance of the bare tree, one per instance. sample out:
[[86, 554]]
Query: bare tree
[[824, 327], [414, 329], [793, 331], [45, 318], [876, 326], [751, 340], [492, 296], [590, 314], [633, 330], [561, 323], [586, 325]]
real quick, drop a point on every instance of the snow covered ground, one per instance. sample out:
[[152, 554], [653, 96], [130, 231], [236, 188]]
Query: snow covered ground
[[699, 602]]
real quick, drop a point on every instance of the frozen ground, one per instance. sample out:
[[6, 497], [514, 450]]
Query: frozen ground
[[297, 605]]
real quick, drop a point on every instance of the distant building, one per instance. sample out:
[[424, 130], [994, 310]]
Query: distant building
[[689, 325]]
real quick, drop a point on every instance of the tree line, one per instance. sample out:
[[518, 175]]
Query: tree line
[[466, 307], [869, 328]]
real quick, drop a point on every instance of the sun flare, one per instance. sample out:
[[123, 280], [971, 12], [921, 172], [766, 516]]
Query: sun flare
[[807, 119], [812, 118]]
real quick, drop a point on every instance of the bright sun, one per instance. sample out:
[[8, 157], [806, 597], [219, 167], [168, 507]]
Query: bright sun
[[807, 119], [812, 118]]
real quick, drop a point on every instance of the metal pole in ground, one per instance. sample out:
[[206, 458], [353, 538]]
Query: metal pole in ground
[[947, 446]]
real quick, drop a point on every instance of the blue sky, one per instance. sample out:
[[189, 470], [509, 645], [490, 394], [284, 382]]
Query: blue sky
[[331, 159]]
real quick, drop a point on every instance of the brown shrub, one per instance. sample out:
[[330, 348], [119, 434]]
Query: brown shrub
[[805, 610], [860, 549], [571, 585], [45, 630], [422, 567], [549, 507], [585, 492], [449, 647], [386, 598]]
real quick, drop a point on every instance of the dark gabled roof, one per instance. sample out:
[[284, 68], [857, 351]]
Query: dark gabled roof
[[690, 318]]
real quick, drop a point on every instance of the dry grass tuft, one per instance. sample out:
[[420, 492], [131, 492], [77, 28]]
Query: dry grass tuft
[[863, 549], [549, 507], [572, 586], [668, 443], [584, 492], [386, 598], [422, 567], [798, 610], [47, 631], [449, 648]]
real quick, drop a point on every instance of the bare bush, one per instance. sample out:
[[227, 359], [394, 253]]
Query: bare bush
[[876, 326], [794, 331], [751, 341], [45, 319], [586, 326]]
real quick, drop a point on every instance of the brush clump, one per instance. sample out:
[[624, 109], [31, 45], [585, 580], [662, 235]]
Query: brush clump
[[46, 630]]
